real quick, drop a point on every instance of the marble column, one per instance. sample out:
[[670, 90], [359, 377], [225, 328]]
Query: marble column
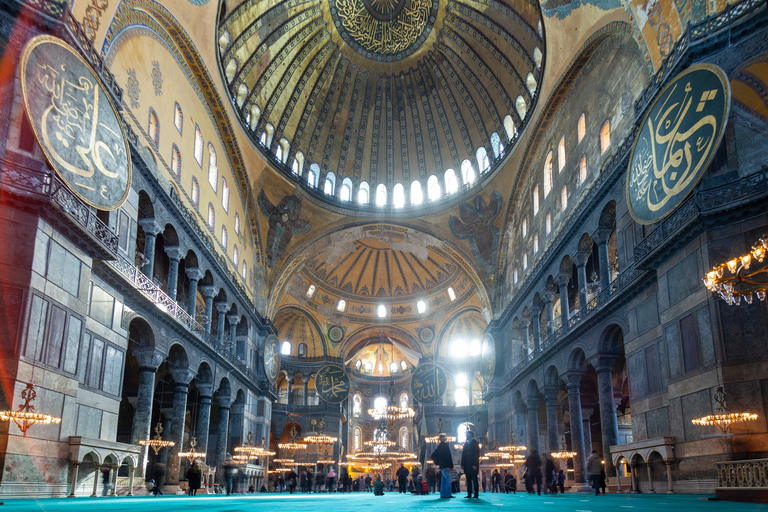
[[587, 428], [525, 324], [633, 478], [75, 468], [131, 474], [232, 333], [306, 390], [181, 379], [553, 433], [195, 275], [149, 360], [204, 417], [650, 478], [565, 313], [96, 478], [174, 255], [580, 259], [151, 229], [670, 484], [549, 297], [521, 431], [237, 423], [113, 480], [289, 388], [223, 433], [536, 327], [209, 292], [608, 422], [577, 432], [601, 236], [532, 403], [222, 308]]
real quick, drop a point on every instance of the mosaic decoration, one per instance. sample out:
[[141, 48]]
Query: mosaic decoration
[[92, 19], [428, 383], [132, 88], [427, 335], [335, 334], [677, 141], [284, 221], [332, 384], [384, 30], [560, 9], [157, 78], [476, 225], [271, 358], [75, 122], [368, 392]]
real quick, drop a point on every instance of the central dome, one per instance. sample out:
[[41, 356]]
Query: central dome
[[384, 30], [383, 104]]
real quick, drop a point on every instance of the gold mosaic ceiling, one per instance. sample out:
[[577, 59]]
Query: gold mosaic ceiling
[[382, 91]]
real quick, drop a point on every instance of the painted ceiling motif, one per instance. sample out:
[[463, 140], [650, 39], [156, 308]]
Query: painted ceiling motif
[[383, 91]]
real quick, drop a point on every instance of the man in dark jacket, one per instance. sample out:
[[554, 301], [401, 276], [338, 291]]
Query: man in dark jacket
[[444, 460], [534, 470], [470, 461], [402, 478]]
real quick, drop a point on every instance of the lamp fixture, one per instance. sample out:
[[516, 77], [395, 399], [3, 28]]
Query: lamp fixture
[[436, 438], [26, 416], [292, 446], [722, 417], [563, 453], [192, 454], [512, 447], [392, 412], [252, 451], [157, 442], [733, 280]]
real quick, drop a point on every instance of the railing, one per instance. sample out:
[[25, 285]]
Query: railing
[[724, 18], [44, 186], [744, 474], [167, 305], [313, 359]]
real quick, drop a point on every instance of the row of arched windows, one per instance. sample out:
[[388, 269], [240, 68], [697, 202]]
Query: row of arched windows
[[286, 348]]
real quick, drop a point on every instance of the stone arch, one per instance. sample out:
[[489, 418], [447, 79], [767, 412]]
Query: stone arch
[[585, 243], [177, 356], [566, 264], [607, 217], [611, 340], [532, 389], [577, 360], [140, 332], [551, 376]]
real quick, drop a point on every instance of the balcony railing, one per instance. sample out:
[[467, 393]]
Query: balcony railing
[[742, 474], [169, 306]]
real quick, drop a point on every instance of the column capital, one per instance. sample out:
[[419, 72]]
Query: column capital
[[237, 408], [601, 235], [205, 389], [550, 394], [207, 290], [519, 408], [563, 278], [525, 321], [549, 295], [149, 358], [221, 307], [580, 258], [225, 402], [174, 252], [532, 402], [535, 309], [233, 319], [183, 376], [573, 380], [149, 226], [194, 273], [605, 363]]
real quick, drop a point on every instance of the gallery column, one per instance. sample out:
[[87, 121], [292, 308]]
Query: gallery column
[[209, 292], [553, 434], [195, 275], [573, 383], [536, 327], [608, 421], [174, 256], [580, 259], [223, 433], [565, 314], [151, 229], [549, 298], [149, 360], [204, 416], [222, 308], [532, 402], [181, 379], [601, 236]]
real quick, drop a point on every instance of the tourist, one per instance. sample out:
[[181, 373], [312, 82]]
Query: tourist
[[534, 470], [155, 490], [431, 478], [378, 486], [230, 472], [594, 466], [470, 462], [194, 477], [290, 478], [483, 482], [561, 481], [550, 476], [402, 477], [331, 479], [510, 483], [495, 481], [603, 477], [444, 460]]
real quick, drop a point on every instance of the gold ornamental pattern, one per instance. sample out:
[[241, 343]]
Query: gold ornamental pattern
[[384, 27]]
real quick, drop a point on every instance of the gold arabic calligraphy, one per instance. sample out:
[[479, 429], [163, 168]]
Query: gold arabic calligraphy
[[670, 155], [332, 383], [384, 36], [428, 383]]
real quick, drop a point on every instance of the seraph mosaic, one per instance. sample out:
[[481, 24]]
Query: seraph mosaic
[[284, 221], [476, 225]]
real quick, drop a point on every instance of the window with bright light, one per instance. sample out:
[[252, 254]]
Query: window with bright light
[[548, 174], [522, 108], [451, 182], [330, 184], [561, 155], [154, 127], [483, 162], [433, 188], [295, 167], [235, 255], [368, 367], [530, 81], [535, 243], [459, 348], [535, 199], [198, 146], [341, 306], [581, 127], [475, 348], [605, 137], [211, 216], [461, 380], [461, 436], [509, 127], [403, 400], [245, 271], [496, 147], [421, 307], [467, 172], [381, 311], [363, 193], [279, 153], [178, 117], [381, 195], [302, 349], [237, 223], [525, 261], [524, 228], [393, 367], [549, 223], [358, 365], [451, 294], [398, 195], [311, 291], [213, 171], [358, 436], [195, 192], [461, 396], [583, 169], [403, 365], [417, 197], [176, 161], [224, 237], [313, 176], [380, 402], [255, 116], [514, 276], [404, 438], [564, 198], [224, 195], [285, 348], [346, 190]]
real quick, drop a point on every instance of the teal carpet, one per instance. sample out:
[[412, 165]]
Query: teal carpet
[[358, 502]]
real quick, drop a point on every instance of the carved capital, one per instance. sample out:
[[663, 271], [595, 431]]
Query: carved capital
[[194, 274], [532, 402], [205, 389], [563, 278], [183, 376], [174, 252], [148, 357], [550, 394], [573, 380], [604, 363], [221, 307], [549, 296], [601, 235], [233, 319], [208, 291], [150, 227], [580, 258], [535, 309]]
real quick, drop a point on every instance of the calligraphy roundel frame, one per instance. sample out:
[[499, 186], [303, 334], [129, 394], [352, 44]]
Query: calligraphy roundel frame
[[698, 100], [272, 358], [428, 383], [332, 384], [93, 160]]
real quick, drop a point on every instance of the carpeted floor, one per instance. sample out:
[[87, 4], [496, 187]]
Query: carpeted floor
[[359, 502]]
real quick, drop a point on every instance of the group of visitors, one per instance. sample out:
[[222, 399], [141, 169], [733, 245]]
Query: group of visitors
[[500, 482]]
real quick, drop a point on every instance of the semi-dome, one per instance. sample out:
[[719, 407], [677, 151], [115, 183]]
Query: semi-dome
[[373, 103]]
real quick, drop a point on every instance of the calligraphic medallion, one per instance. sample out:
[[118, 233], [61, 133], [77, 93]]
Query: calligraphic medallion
[[428, 383], [677, 141], [487, 359], [384, 30], [272, 358], [332, 383], [75, 122]]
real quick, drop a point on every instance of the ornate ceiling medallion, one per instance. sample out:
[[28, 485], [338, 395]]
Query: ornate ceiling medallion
[[384, 30]]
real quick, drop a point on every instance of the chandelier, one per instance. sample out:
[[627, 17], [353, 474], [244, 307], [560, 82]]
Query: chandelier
[[733, 279], [319, 438], [26, 416], [563, 453], [251, 451], [192, 454], [722, 418], [292, 446], [436, 439], [381, 450], [512, 448], [392, 413], [157, 442]]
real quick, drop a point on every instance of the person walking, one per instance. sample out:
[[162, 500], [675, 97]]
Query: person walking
[[230, 472], [431, 476], [534, 470], [594, 466], [470, 462], [495, 481], [331, 479], [550, 476], [444, 460], [603, 478], [484, 481], [194, 479], [402, 478], [561, 481]]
